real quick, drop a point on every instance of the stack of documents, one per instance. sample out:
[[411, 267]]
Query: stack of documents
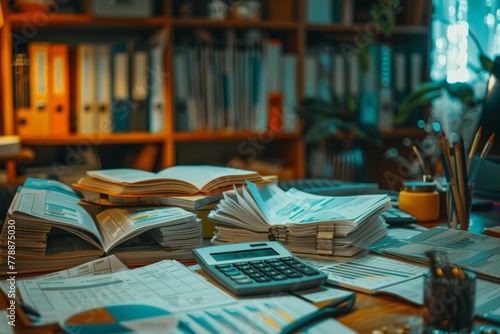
[[49, 229], [165, 297], [304, 223]]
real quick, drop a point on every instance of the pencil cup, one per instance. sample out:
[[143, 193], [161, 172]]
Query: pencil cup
[[459, 199], [449, 302]]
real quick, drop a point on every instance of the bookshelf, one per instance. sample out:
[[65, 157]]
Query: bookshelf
[[281, 20]]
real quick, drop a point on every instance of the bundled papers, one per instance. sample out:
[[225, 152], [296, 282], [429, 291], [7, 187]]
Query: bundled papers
[[303, 222]]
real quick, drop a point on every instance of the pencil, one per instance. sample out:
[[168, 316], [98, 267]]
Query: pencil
[[484, 153], [473, 148], [419, 157]]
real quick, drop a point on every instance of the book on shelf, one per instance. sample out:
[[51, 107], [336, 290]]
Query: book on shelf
[[175, 180], [53, 230], [303, 222]]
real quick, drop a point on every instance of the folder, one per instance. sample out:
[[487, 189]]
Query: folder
[[86, 120], [368, 112], [386, 93], [120, 97], [273, 52], [59, 81], [290, 92], [104, 122], [319, 11], [310, 75], [21, 94], [157, 84], [139, 91], [339, 79], [38, 122]]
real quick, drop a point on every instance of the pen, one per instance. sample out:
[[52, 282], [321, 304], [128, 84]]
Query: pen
[[484, 153], [30, 311], [337, 307], [473, 148], [419, 157]]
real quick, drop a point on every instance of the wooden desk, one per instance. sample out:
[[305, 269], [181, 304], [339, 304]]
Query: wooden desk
[[370, 313]]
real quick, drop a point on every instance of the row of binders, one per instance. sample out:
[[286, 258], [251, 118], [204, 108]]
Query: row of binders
[[89, 88], [334, 74], [232, 82]]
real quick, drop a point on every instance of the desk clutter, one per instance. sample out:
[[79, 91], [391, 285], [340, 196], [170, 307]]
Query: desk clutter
[[325, 240]]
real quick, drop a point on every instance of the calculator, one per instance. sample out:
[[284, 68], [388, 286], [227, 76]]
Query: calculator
[[395, 216], [252, 268]]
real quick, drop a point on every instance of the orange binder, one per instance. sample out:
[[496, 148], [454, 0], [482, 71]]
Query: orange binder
[[38, 123], [59, 89]]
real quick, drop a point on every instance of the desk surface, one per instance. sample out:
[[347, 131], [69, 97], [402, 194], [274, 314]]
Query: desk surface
[[370, 313]]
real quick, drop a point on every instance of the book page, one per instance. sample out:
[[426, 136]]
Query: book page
[[119, 224], [123, 175], [281, 207], [167, 284], [53, 203], [202, 175]]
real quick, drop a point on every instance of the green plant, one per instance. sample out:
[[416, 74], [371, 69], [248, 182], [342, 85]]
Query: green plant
[[425, 93], [323, 120]]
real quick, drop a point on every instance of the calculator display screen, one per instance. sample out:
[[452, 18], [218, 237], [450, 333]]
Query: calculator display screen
[[244, 254]]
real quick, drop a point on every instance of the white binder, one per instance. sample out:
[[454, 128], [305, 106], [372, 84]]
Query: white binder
[[86, 121], [103, 88]]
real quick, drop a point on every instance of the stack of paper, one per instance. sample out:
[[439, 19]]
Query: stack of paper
[[47, 228], [303, 222]]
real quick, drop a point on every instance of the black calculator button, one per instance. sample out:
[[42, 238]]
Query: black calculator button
[[272, 261], [238, 264], [276, 264], [288, 271], [266, 269], [244, 281], [282, 267], [279, 277], [249, 271], [239, 277], [256, 262], [256, 275], [232, 273], [286, 259], [245, 267], [294, 275], [308, 271], [261, 265], [219, 266], [227, 269], [272, 273], [262, 279], [298, 266]]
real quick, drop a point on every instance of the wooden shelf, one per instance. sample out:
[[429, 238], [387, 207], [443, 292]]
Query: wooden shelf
[[296, 34], [46, 20], [401, 133], [95, 139], [233, 136], [234, 24], [355, 29]]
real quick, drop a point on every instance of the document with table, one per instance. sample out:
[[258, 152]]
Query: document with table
[[187, 300]]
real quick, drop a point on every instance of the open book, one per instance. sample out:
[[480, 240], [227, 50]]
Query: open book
[[304, 223], [53, 231], [176, 180]]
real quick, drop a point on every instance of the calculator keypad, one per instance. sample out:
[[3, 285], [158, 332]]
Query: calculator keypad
[[262, 271]]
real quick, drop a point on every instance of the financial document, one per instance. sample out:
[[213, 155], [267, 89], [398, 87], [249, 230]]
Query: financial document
[[167, 284]]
